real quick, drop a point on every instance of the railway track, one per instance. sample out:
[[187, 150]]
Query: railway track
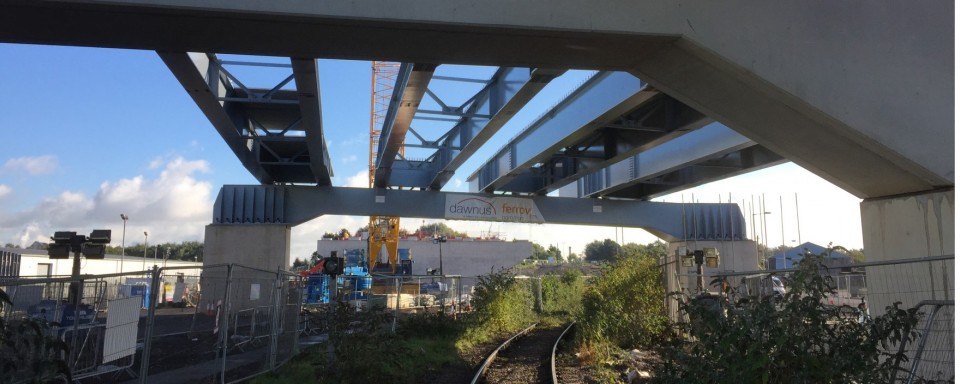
[[527, 357]]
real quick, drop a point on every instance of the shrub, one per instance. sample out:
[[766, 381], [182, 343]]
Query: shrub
[[795, 340], [623, 307], [563, 293], [501, 304]]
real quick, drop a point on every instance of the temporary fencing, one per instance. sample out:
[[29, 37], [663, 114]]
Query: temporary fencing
[[398, 294], [222, 323]]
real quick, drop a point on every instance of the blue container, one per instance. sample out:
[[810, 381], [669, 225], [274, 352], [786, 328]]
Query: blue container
[[364, 283], [86, 315], [142, 290], [355, 271], [317, 292], [405, 254]]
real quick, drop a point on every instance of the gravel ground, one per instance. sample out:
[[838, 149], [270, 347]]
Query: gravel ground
[[526, 360]]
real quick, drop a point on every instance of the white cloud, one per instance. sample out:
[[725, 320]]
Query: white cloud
[[349, 159], [359, 180], [33, 166], [174, 206], [29, 234], [5, 190]]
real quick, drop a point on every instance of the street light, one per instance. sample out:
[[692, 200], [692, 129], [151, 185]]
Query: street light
[[439, 240], [123, 240], [143, 264]]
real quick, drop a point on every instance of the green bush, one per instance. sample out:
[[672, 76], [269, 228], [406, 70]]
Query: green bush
[[563, 293], [794, 340], [623, 307], [501, 304]]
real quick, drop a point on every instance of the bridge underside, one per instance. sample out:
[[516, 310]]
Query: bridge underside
[[861, 95], [832, 117]]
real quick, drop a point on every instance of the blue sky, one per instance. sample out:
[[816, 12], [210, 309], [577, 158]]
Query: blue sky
[[90, 133]]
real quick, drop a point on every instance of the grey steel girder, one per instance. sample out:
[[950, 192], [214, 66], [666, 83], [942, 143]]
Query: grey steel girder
[[658, 120], [276, 133], [708, 154], [611, 116], [293, 205], [411, 85], [308, 92], [502, 96]]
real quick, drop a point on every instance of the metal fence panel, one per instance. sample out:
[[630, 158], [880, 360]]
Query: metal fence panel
[[184, 330]]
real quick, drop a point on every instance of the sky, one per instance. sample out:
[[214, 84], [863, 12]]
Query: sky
[[90, 133]]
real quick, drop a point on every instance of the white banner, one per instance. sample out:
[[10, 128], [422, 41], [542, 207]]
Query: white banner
[[515, 209]]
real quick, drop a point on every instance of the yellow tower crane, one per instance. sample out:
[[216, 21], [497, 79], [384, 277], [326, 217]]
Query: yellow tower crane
[[384, 230]]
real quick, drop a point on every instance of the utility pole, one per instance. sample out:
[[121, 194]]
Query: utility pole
[[123, 240]]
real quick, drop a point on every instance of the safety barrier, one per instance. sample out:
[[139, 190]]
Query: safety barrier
[[223, 323]]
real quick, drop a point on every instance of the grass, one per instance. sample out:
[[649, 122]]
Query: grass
[[301, 369]]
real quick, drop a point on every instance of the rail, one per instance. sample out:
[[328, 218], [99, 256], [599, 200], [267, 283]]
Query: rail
[[553, 354], [493, 355]]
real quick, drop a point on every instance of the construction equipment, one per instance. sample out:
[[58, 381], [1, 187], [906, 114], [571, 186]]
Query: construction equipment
[[384, 230]]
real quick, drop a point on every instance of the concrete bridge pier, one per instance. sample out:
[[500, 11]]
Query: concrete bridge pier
[[262, 246], [905, 227]]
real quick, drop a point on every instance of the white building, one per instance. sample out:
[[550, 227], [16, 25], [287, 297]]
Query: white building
[[35, 262]]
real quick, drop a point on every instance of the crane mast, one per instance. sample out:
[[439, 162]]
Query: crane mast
[[384, 230]]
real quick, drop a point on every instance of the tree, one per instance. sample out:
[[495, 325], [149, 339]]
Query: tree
[[601, 250], [440, 229], [655, 249], [538, 253], [301, 265], [857, 255], [554, 252]]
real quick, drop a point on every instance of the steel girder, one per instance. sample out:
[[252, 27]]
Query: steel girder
[[411, 85], [506, 92], [293, 205], [476, 120], [610, 117], [276, 133], [711, 153]]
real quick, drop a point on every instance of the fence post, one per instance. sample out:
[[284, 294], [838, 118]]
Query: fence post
[[539, 289], [148, 333], [396, 309], [275, 326], [225, 323]]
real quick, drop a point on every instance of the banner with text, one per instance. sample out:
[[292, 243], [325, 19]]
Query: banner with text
[[515, 209]]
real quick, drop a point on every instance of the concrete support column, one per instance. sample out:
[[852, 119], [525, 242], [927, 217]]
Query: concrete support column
[[909, 227], [263, 246]]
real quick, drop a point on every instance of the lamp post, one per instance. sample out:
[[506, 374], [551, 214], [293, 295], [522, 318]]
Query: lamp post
[[439, 240], [123, 240], [143, 264]]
